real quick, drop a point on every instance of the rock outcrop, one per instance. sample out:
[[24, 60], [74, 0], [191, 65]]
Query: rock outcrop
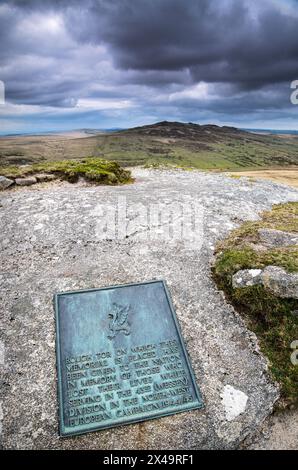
[[56, 247]]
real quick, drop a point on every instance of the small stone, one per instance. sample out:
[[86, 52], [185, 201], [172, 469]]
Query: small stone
[[247, 278], [275, 279], [277, 238], [45, 177], [5, 183], [280, 283], [26, 181]]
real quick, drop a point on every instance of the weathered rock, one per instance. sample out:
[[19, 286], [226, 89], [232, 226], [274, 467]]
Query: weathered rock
[[55, 247], [280, 283], [278, 432], [277, 238], [246, 278], [5, 183], [273, 278], [45, 177], [28, 181]]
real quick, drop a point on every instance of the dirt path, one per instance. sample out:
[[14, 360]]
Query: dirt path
[[284, 176]]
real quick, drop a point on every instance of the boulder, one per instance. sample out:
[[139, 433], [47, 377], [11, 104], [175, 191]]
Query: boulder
[[277, 238], [5, 183], [28, 181], [280, 283], [274, 279], [247, 278]]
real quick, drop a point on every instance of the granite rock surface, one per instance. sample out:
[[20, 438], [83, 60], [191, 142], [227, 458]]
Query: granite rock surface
[[52, 240]]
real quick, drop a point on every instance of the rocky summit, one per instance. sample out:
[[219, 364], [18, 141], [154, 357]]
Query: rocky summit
[[52, 240]]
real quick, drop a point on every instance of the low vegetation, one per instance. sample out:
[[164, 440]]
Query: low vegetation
[[274, 320], [287, 176], [205, 147], [92, 169]]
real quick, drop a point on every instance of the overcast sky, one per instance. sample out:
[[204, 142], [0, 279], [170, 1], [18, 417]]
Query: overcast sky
[[120, 63]]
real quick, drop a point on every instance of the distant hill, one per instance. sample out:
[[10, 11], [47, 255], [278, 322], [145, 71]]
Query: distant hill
[[181, 130], [210, 146], [163, 143]]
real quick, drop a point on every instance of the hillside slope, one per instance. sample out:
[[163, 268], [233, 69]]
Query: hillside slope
[[163, 143], [212, 147]]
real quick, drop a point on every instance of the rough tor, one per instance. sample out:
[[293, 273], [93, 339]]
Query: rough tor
[[49, 244]]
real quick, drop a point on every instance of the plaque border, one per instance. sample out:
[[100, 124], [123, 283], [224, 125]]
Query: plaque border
[[99, 427]]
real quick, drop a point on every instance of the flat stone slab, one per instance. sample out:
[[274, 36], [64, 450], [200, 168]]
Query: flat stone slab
[[28, 181], [277, 238], [50, 243], [43, 177]]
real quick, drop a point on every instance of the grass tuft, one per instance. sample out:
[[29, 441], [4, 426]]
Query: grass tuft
[[92, 169], [273, 319]]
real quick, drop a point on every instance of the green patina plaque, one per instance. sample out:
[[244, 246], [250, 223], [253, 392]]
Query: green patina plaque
[[120, 358]]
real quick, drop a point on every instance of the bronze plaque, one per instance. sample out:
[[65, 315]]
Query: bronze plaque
[[120, 358]]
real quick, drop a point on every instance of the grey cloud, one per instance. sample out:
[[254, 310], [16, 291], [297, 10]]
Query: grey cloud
[[153, 48], [247, 43]]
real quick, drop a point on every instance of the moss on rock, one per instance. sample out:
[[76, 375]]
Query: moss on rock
[[273, 319], [92, 169]]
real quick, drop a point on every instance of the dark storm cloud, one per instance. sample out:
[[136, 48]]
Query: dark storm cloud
[[55, 52], [246, 43]]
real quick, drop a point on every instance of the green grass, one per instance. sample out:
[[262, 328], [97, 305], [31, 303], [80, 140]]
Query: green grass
[[216, 156], [271, 318], [92, 169], [229, 151]]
